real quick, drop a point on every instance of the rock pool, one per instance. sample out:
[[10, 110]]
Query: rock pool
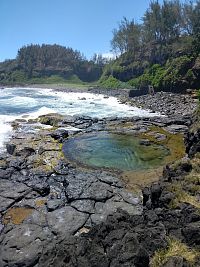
[[114, 151]]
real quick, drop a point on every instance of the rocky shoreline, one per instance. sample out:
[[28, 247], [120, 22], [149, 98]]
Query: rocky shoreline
[[55, 213]]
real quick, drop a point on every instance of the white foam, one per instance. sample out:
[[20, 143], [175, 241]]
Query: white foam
[[5, 128], [5, 123], [95, 105], [39, 112], [22, 101], [66, 103]]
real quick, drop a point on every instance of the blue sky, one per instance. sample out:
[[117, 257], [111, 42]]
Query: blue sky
[[85, 25]]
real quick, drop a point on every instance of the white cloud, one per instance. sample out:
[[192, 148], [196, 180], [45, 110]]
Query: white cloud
[[109, 55]]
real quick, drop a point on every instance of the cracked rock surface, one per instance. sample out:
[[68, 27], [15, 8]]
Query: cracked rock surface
[[45, 199]]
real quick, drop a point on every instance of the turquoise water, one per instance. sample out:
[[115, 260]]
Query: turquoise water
[[117, 151]]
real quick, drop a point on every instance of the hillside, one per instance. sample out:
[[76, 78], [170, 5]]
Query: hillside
[[162, 51], [50, 64]]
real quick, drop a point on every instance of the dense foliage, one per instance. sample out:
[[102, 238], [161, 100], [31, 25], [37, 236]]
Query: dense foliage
[[162, 51], [50, 63]]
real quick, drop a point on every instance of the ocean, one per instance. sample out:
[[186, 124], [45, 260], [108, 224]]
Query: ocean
[[27, 103]]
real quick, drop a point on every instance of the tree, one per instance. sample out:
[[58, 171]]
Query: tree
[[127, 37]]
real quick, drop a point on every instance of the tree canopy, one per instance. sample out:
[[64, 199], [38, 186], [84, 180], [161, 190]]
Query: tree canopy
[[161, 23], [40, 61]]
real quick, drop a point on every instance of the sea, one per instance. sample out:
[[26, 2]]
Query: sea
[[29, 103]]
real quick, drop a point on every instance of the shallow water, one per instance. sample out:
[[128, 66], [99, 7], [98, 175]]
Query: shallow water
[[117, 151], [30, 103]]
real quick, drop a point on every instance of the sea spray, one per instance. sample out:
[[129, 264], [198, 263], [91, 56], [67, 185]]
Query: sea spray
[[29, 103]]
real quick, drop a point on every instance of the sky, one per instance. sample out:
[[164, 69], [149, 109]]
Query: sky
[[84, 25]]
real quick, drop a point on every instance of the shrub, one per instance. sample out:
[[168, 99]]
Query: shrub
[[175, 248], [152, 76], [112, 83]]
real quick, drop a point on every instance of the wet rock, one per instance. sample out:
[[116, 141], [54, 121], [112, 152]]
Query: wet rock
[[160, 137], [145, 142], [167, 103], [50, 119], [10, 148], [59, 134], [177, 128], [68, 119]]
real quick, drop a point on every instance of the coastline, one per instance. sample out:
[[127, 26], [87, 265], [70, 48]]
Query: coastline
[[44, 190]]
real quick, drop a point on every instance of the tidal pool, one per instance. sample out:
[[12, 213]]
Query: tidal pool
[[114, 151]]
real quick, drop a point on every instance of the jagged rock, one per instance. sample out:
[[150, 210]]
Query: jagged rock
[[59, 134], [61, 168], [192, 142], [145, 142], [177, 128], [42, 188], [25, 152], [50, 119], [174, 262], [155, 193], [10, 148], [6, 174], [113, 243], [191, 233]]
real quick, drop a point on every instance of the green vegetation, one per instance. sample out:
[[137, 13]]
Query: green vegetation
[[47, 64], [186, 189], [162, 51], [111, 82], [175, 249]]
